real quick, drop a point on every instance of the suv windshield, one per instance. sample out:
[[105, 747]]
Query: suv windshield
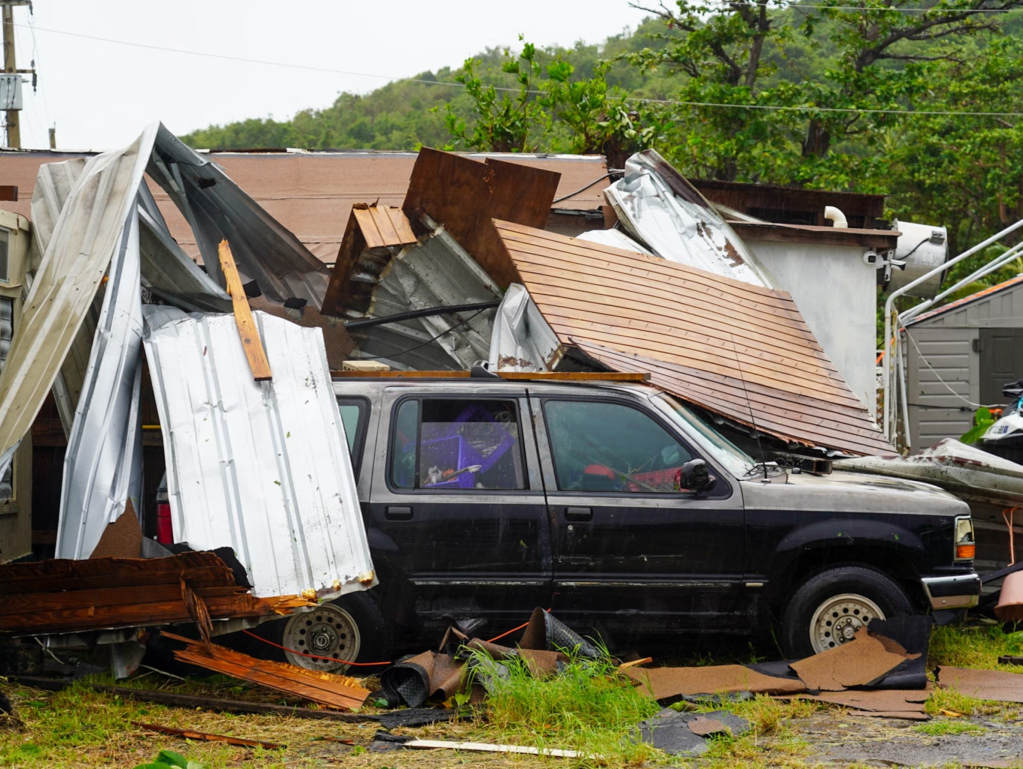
[[735, 460]]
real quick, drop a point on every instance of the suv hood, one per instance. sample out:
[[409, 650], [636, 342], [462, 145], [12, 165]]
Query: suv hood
[[842, 492]]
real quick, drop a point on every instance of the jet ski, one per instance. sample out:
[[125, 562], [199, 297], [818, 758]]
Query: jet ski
[[1005, 437]]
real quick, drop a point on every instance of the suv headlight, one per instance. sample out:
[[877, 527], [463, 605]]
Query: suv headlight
[[965, 544]]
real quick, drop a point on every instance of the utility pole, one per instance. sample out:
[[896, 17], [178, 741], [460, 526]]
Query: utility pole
[[11, 87]]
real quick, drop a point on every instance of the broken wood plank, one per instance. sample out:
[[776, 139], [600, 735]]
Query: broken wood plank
[[488, 747], [198, 567], [247, 329], [189, 734], [197, 702], [557, 376], [328, 689]]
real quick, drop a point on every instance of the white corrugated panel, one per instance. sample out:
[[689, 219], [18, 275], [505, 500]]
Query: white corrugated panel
[[262, 467], [659, 207]]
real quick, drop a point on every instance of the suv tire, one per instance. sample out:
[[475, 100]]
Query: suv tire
[[827, 609], [349, 628]]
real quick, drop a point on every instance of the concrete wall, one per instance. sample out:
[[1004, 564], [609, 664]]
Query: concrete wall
[[835, 291]]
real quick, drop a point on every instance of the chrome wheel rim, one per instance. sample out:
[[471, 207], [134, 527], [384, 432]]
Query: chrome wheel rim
[[328, 632], [838, 618]]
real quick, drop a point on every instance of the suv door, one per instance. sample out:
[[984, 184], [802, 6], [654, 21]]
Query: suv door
[[460, 501], [632, 550]]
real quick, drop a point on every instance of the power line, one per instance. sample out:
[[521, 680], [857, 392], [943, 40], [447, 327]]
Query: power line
[[883, 9], [535, 92]]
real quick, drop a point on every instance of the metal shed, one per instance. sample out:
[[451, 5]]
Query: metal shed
[[960, 355]]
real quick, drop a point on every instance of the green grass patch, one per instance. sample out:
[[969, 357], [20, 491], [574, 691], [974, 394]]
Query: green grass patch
[[974, 646], [943, 701], [942, 727], [587, 706], [768, 714]]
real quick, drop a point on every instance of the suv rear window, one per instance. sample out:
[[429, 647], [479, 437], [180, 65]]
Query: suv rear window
[[457, 444], [354, 412]]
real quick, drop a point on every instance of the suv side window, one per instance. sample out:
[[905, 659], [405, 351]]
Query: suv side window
[[607, 446], [354, 412], [457, 444]]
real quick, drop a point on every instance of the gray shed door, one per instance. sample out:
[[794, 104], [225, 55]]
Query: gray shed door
[[1001, 361]]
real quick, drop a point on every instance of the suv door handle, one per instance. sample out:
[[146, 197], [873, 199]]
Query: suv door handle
[[578, 513], [398, 513]]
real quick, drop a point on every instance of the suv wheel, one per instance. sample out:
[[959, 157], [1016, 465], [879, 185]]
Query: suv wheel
[[829, 608], [350, 629]]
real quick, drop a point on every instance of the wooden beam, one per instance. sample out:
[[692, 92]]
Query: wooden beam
[[541, 376], [247, 329]]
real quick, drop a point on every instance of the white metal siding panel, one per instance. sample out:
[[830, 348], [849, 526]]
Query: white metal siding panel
[[262, 467]]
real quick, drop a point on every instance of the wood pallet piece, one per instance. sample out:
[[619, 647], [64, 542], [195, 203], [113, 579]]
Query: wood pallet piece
[[335, 691]]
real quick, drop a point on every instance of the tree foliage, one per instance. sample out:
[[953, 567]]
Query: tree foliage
[[862, 95]]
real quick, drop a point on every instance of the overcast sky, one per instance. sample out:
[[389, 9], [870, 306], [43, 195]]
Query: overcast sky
[[100, 92]]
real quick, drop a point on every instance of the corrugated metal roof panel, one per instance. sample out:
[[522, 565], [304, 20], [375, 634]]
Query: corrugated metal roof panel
[[958, 303], [262, 467], [741, 350], [67, 281]]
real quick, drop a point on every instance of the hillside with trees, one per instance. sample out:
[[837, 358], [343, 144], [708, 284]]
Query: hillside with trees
[[920, 101]]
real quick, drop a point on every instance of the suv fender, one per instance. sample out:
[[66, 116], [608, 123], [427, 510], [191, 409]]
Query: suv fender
[[875, 543]]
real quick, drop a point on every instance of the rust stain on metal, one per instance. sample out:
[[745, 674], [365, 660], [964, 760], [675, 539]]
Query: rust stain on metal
[[739, 350], [335, 691], [464, 196], [59, 596]]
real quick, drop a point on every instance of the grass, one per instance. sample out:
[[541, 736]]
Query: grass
[[974, 646], [587, 706], [938, 728]]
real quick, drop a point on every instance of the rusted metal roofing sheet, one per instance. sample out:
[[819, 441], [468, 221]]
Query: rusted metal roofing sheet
[[262, 467], [740, 350], [61, 596], [464, 196]]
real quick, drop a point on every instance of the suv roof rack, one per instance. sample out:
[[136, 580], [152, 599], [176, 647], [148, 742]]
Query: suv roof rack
[[566, 376]]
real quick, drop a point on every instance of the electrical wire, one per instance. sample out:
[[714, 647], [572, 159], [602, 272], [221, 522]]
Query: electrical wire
[[796, 6], [351, 662], [536, 92], [434, 338], [599, 179], [945, 384]]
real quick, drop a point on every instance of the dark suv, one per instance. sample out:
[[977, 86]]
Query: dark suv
[[625, 513]]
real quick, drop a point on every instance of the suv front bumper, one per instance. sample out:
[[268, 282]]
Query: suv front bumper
[[961, 591]]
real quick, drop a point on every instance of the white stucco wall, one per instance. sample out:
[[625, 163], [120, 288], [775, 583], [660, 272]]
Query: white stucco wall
[[835, 291]]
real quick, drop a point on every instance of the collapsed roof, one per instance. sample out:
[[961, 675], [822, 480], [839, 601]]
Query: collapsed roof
[[723, 339], [101, 245]]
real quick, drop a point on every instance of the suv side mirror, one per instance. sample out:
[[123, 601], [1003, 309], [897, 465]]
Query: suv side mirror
[[694, 476]]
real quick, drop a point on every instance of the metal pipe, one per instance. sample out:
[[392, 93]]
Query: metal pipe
[[889, 306], [423, 313], [987, 269], [901, 363]]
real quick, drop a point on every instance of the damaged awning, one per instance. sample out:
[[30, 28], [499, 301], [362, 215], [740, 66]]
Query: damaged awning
[[739, 350]]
